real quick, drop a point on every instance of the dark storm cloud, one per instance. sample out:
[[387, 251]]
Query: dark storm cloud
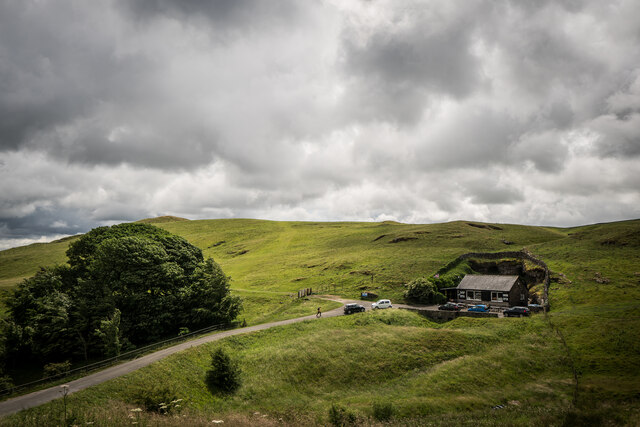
[[618, 137], [43, 73], [394, 70], [69, 86], [222, 14], [93, 143], [44, 221]]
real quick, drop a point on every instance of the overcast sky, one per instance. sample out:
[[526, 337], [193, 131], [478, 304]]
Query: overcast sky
[[416, 111]]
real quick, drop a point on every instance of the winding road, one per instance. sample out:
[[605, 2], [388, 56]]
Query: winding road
[[37, 398]]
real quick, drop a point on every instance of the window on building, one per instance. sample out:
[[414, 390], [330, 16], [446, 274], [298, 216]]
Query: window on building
[[474, 295]]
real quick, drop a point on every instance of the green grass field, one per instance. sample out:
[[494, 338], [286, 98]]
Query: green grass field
[[426, 373], [19, 263]]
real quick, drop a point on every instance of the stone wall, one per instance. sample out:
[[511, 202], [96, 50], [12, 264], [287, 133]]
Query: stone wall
[[449, 315]]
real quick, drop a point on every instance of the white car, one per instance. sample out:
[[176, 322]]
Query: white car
[[383, 303]]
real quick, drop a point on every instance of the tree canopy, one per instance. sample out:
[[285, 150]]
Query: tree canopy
[[124, 286], [423, 291]]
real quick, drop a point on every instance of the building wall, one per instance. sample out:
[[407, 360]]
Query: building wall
[[517, 291]]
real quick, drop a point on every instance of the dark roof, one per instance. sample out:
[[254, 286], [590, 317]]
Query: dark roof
[[481, 282]]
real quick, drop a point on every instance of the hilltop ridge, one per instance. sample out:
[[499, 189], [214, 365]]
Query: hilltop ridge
[[162, 219]]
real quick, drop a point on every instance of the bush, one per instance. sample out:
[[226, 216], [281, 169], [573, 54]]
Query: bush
[[159, 399], [340, 417], [5, 382], [423, 291], [383, 411], [54, 369], [224, 375], [446, 281]]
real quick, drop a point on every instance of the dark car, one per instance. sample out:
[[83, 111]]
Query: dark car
[[516, 311], [535, 308], [353, 308], [449, 306]]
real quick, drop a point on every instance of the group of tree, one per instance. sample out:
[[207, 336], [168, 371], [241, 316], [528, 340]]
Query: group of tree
[[123, 286]]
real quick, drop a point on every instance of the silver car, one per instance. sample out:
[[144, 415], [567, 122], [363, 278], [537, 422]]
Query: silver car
[[383, 303]]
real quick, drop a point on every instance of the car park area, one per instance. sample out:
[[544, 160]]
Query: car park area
[[447, 311]]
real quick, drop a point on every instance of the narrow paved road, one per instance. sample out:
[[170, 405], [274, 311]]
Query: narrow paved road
[[37, 398], [40, 397]]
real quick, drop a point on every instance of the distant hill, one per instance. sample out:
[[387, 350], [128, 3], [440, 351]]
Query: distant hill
[[162, 219], [286, 256]]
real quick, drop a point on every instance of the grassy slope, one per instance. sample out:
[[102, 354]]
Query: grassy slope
[[600, 321], [287, 256], [297, 372], [22, 262], [458, 370], [282, 257]]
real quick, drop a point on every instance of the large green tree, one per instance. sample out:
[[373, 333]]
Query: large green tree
[[148, 281]]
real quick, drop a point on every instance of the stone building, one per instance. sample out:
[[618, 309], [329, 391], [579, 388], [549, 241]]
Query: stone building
[[497, 291]]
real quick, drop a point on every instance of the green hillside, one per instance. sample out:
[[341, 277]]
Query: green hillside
[[22, 262], [268, 260], [287, 256], [577, 366]]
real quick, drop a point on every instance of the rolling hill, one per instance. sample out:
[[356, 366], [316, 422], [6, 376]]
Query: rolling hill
[[576, 366]]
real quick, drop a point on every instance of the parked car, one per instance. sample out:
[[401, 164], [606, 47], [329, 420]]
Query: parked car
[[479, 307], [449, 306], [353, 308], [516, 311], [383, 303]]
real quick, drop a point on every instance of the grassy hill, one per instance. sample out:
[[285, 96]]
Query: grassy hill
[[19, 263], [425, 373], [268, 260], [287, 256]]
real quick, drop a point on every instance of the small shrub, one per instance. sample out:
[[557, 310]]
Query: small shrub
[[383, 411], [224, 375], [54, 369], [5, 382], [159, 399], [340, 417]]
